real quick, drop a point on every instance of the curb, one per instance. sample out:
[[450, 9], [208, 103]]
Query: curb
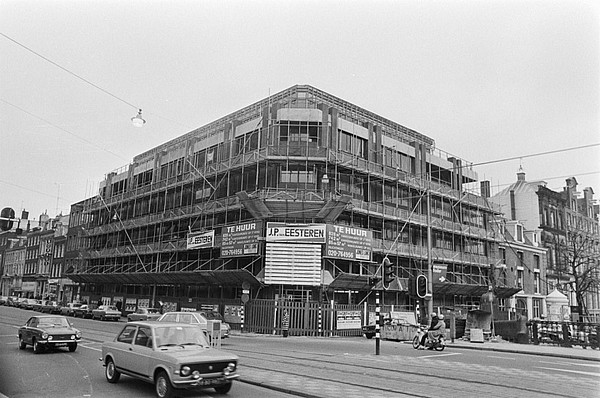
[[539, 353]]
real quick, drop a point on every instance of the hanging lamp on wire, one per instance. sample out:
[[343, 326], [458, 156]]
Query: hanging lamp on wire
[[138, 120]]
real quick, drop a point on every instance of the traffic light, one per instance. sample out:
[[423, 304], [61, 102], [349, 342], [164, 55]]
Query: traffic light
[[388, 271], [5, 219], [374, 280], [421, 286]]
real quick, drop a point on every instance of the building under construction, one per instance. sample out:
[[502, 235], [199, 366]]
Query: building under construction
[[299, 196]]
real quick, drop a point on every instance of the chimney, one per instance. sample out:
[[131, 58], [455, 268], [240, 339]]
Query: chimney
[[513, 208], [485, 189]]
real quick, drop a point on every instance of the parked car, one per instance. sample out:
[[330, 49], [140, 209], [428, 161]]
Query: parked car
[[12, 301], [48, 331], [69, 309], [172, 356], [105, 312], [144, 314], [215, 316], [83, 311], [51, 307], [27, 304], [3, 300], [37, 306], [193, 318]]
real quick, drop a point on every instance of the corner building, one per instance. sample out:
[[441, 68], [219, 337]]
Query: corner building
[[299, 197]]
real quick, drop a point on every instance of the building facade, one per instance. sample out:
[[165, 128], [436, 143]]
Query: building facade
[[568, 221], [299, 196]]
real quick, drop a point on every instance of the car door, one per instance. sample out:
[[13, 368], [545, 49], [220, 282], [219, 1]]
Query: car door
[[124, 355], [29, 329], [142, 350]]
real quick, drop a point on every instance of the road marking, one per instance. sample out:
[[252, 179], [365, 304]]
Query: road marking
[[570, 371], [591, 365], [512, 359], [8, 335], [441, 355], [89, 348]]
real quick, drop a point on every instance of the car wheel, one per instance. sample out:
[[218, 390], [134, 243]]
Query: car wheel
[[37, 347], [369, 335], [72, 347], [163, 386], [224, 389], [22, 343], [111, 372]]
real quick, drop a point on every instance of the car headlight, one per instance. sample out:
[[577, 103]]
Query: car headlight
[[185, 371], [44, 336], [78, 334], [229, 369]]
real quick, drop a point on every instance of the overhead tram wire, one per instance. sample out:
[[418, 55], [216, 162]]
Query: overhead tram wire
[[87, 81]]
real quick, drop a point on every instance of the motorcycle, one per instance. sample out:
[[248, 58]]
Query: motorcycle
[[438, 343]]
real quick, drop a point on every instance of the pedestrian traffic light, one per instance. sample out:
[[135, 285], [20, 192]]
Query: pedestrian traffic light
[[374, 280], [388, 272], [421, 286]]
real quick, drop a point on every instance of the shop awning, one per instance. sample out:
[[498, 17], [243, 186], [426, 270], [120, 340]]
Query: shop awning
[[202, 277], [461, 289]]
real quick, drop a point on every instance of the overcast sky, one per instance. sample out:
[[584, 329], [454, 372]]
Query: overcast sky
[[487, 80]]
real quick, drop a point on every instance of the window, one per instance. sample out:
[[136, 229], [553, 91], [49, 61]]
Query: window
[[502, 252], [144, 337], [537, 308], [536, 282], [520, 278], [126, 335], [520, 233]]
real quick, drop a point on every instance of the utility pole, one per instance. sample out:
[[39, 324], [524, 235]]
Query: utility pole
[[429, 297]]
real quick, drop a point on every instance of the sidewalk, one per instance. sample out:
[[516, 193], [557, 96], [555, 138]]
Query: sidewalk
[[576, 352]]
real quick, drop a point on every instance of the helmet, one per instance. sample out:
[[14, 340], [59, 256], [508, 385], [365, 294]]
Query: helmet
[[441, 316]]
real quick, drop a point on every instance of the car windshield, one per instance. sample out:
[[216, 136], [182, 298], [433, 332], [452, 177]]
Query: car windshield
[[169, 336], [53, 322], [112, 308], [153, 311], [214, 315]]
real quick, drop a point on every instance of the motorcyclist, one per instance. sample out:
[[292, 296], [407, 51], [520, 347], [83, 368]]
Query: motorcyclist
[[437, 328]]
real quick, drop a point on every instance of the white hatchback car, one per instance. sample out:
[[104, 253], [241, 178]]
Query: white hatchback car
[[193, 318]]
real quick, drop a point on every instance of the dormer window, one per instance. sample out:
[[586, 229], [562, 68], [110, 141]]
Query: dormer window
[[519, 234]]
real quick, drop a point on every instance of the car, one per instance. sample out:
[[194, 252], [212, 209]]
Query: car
[[172, 356], [12, 301], [198, 318], [144, 314], [51, 307], [27, 304], [69, 309], [83, 311], [3, 300], [37, 306], [48, 331], [105, 312]]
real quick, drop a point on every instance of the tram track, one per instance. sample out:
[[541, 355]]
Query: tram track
[[407, 379]]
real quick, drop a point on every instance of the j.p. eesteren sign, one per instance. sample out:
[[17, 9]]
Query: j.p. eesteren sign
[[300, 233], [201, 240]]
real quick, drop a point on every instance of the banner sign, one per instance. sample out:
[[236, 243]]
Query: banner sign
[[297, 233], [439, 272], [241, 239], [349, 243], [200, 240], [348, 320]]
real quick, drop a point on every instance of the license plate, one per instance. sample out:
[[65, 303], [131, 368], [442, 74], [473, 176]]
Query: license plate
[[210, 382], [60, 344]]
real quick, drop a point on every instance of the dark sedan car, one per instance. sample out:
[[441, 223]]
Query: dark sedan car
[[84, 311], [48, 331]]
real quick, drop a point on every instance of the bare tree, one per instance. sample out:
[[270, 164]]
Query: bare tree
[[579, 254]]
